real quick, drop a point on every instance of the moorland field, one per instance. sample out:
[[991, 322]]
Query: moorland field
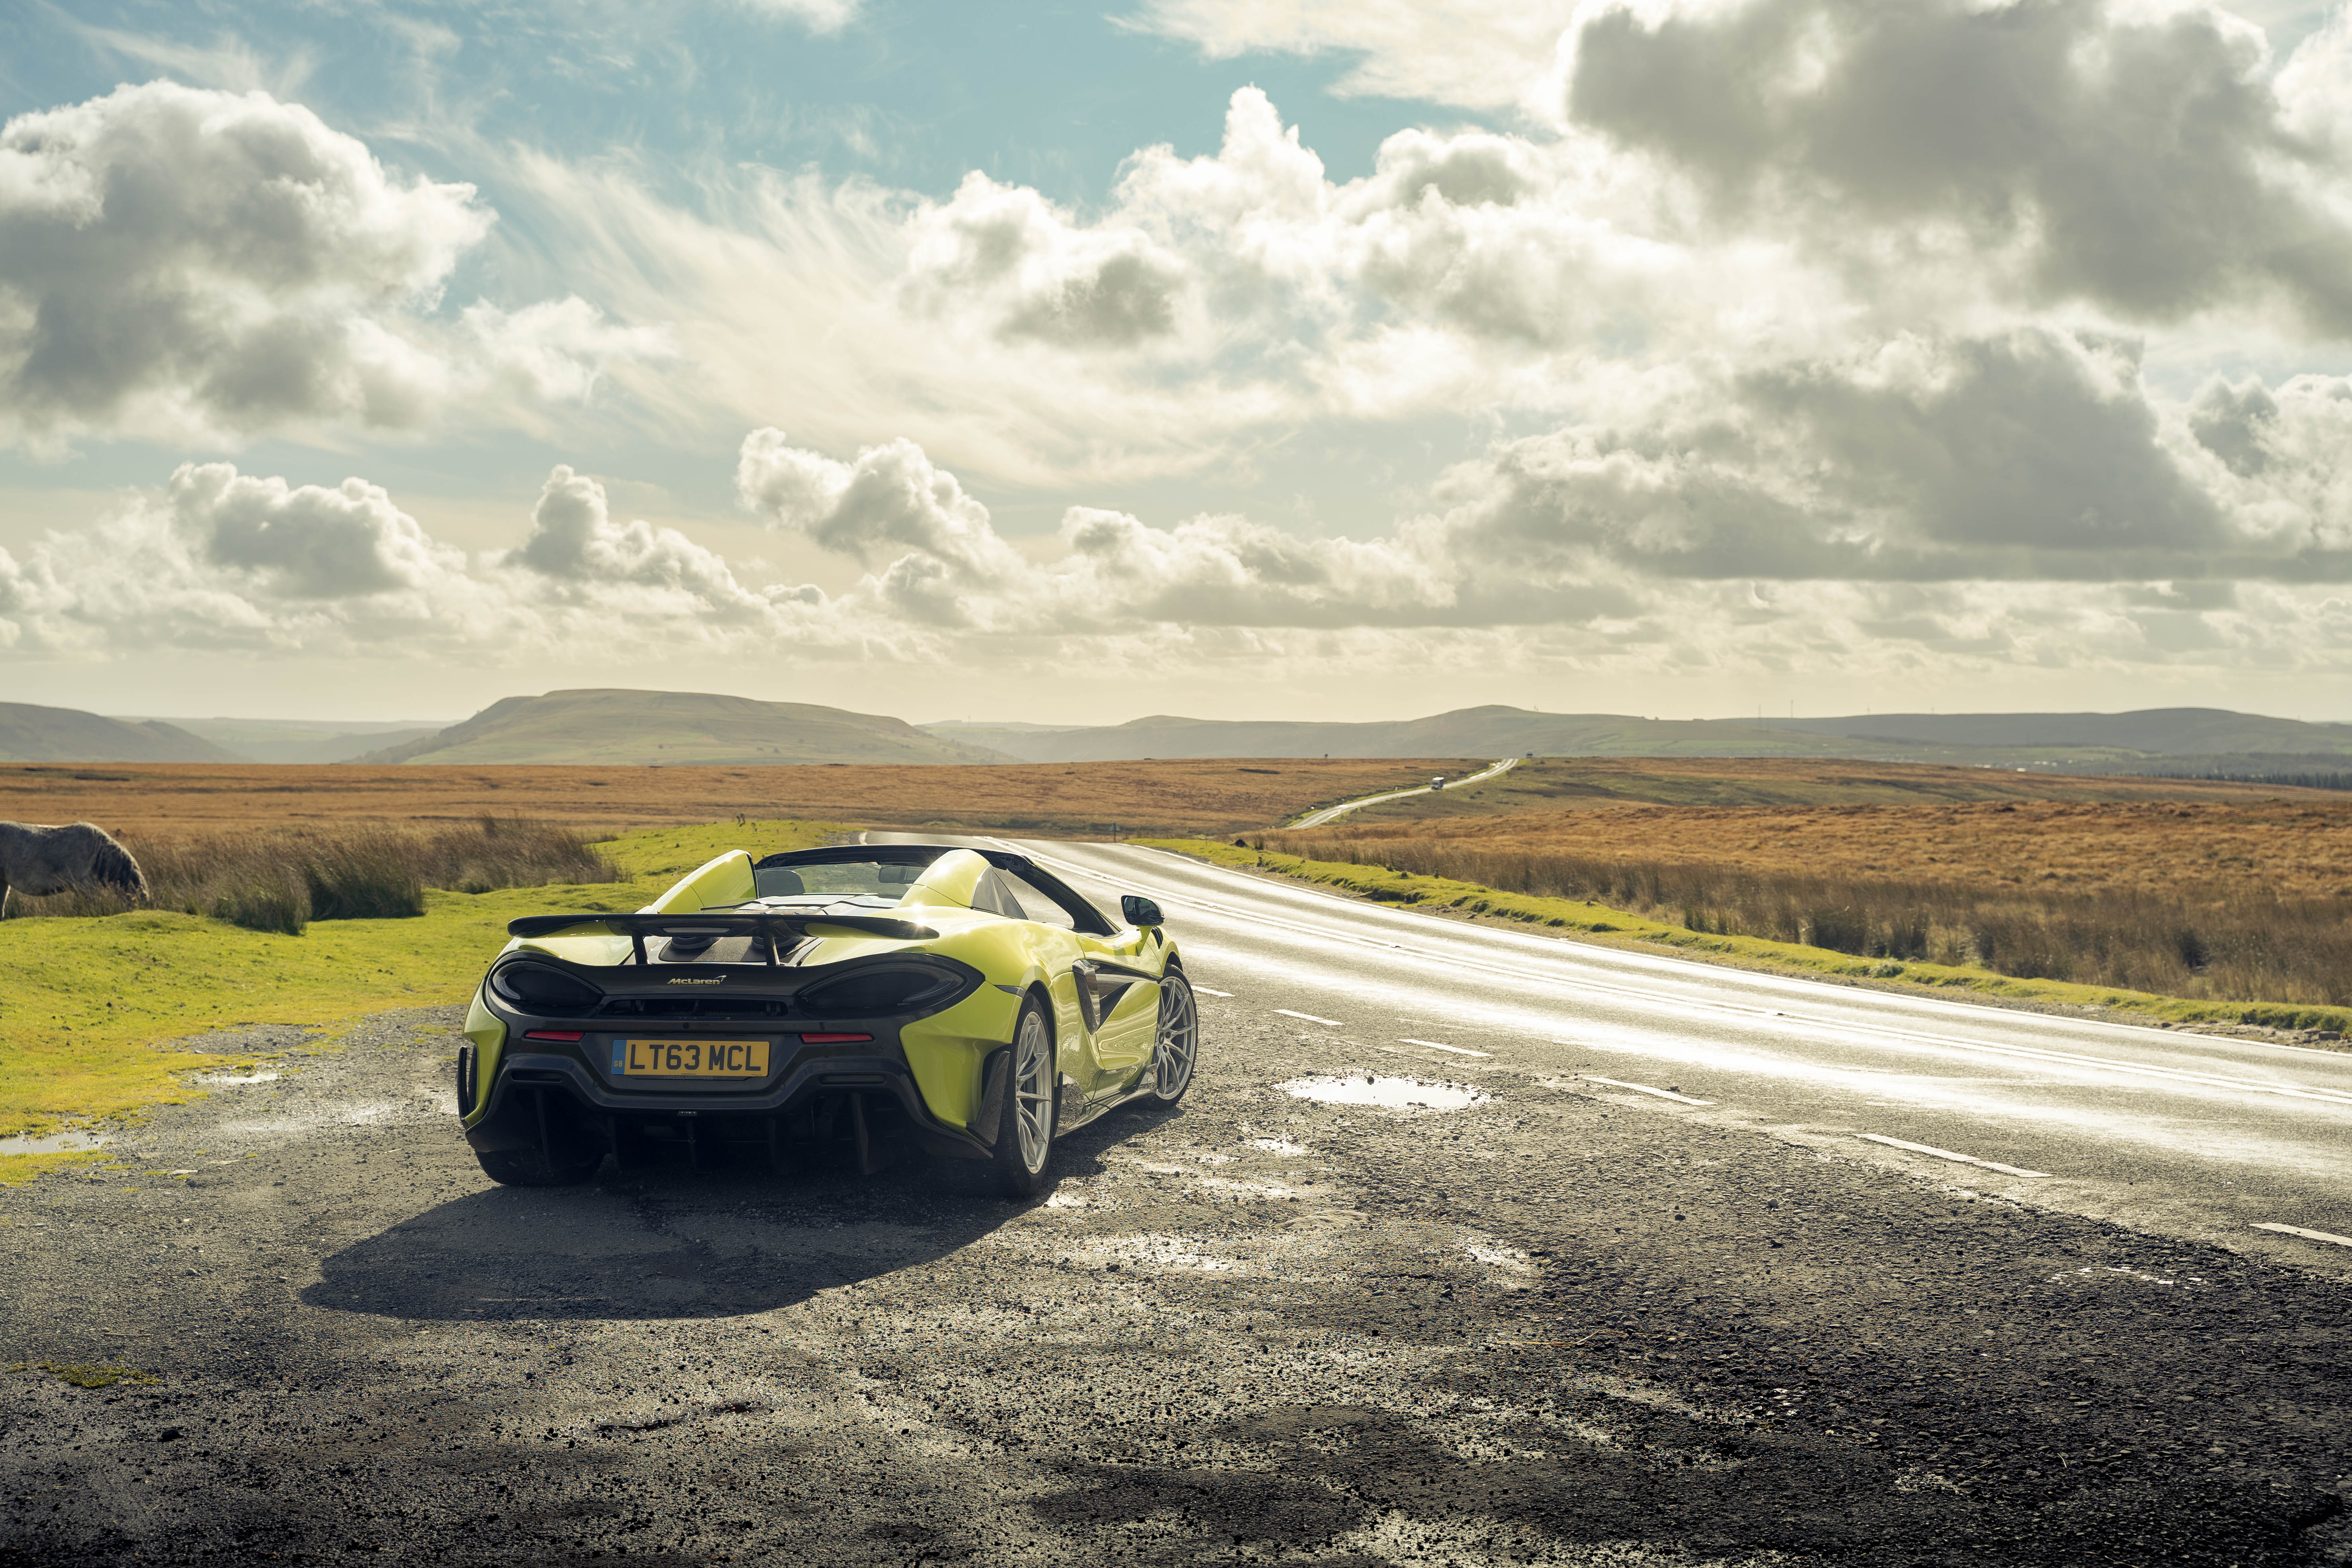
[[158, 802], [2238, 899], [1586, 783]]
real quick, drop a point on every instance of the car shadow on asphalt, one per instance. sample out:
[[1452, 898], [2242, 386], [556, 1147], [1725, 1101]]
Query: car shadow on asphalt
[[680, 1244]]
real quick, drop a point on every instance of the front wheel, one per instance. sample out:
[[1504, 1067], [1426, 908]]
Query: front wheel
[[1178, 1047], [1024, 1126]]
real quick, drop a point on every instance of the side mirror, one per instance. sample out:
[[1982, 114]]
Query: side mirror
[[1138, 911]]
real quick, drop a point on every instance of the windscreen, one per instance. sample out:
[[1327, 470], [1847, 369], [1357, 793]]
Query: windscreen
[[839, 878]]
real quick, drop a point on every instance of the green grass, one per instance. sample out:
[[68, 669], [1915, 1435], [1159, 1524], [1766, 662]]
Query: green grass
[[92, 1006], [1604, 924]]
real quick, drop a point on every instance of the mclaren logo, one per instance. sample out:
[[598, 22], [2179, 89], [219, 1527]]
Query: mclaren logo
[[698, 979]]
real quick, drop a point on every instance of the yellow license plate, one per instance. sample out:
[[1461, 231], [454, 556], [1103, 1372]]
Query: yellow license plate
[[690, 1058]]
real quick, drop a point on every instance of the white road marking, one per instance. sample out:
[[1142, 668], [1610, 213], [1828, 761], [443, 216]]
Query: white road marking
[[1328, 1023], [1205, 991], [2306, 1235], [1948, 1042], [1946, 1155], [1644, 1088], [1457, 1050]]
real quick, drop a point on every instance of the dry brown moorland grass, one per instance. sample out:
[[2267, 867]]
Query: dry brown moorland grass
[[2290, 848], [1599, 783], [2239, 902], [155, 803]]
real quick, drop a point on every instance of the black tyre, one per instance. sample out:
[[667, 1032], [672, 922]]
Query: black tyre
[[1178, 1047], [1024, 1125]]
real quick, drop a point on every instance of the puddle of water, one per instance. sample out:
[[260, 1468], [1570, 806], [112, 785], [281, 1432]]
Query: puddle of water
[[225, 1079], [53, 1143], [1398, 1093]]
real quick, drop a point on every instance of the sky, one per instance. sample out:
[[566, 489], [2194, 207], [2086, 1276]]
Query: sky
[[1233, 358]]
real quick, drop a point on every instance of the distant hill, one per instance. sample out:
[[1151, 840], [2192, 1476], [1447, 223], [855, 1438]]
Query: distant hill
[[31, 734], [675, 727], [2098, 741], [2154, 732], [302, 740]]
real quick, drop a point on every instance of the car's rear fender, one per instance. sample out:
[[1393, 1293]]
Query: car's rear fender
[[946, 1050], [486, 1034]]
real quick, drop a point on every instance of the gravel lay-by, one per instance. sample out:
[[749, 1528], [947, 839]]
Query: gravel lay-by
[[1540, 1327]]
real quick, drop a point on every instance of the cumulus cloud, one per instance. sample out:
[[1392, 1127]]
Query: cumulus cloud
[[575, 542], [185, 262], [2027, 456], [1477, 54], [2138, 158], [1045, 278], [224, 560], [1614, 557]]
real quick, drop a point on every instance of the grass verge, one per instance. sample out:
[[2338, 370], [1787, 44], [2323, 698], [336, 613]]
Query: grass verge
[[93, 1008], [1604, 924]]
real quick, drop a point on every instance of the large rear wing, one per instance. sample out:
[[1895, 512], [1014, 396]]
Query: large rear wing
[[708, 928]]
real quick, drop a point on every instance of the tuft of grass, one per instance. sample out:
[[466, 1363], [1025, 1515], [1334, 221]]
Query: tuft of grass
[[93, 1008], [1618, 925], [282, 881], [90, 1375]]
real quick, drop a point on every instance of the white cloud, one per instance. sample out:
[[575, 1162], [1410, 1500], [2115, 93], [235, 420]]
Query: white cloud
[[2134, 157], [1042, 276], [180, 263], [1477, 54], [816, 16], [1541, 565]]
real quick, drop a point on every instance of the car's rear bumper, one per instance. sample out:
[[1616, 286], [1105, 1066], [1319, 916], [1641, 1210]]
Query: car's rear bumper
[[530, 1084]]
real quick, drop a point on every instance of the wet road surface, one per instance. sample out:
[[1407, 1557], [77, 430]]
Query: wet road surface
[[2192, 1135]]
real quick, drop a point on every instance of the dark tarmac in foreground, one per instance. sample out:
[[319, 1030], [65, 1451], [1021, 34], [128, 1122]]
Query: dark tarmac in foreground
[[1543, 1328]]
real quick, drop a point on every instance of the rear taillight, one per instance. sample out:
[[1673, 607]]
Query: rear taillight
[[569, 1037], [835, 1039]]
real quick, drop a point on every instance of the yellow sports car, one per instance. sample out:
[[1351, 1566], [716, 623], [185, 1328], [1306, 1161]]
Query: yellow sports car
[[853, 1003]]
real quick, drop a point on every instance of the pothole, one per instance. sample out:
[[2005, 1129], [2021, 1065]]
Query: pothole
[[1396, 1093]]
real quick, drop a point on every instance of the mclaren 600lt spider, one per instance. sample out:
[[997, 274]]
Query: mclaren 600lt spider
[[850, 1003]]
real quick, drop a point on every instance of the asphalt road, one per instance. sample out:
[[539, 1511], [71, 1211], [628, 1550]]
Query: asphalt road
[[2181, 1133], [1333, 813], [1516, 1317]]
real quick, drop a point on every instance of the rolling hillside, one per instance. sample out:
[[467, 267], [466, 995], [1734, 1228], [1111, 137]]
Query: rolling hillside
[[302, 739], [2120, 742], [31, 734], [675, 727]]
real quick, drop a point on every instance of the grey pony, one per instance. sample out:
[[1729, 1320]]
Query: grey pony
[[37, 862]]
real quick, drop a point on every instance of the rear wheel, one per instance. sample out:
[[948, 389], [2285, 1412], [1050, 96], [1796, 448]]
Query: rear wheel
[[1179, 1044], [1025, 1128]]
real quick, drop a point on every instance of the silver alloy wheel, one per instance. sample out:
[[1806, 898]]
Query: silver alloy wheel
[[1180, 1038], [1032, 1090]]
